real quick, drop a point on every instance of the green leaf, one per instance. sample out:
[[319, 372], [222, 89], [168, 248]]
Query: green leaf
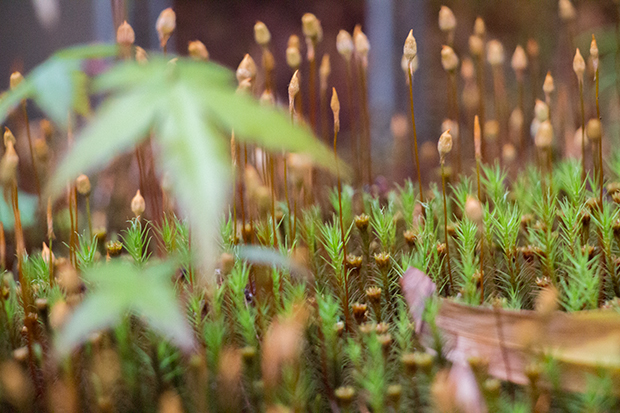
[[122, 121], [197, 163], [27, 210], [186, 102], [88, 51], [54, 86], [120, 288], [57, 85], [158, 69], [268, 127], [130, 75]]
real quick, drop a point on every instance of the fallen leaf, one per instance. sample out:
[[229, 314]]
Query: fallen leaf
[[417, 288], [583, 343]]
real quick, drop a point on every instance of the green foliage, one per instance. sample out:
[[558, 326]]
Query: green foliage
[[136, 241], [120, 288], [468, 265], [580, 287], [537, 229], [185, 104], [58, 85], [347, 203], [382, 222], [86, 251], [407, 198]]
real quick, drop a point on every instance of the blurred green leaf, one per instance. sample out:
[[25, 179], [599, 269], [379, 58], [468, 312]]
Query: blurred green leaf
[[188, 104], [197, 163], [57, 85], [88, 51], [119, 288], [266, 126], [121, 122], [27, 210]]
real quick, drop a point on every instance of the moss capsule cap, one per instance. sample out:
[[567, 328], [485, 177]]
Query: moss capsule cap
[[198, 51], [8, 136], [447, 20], [593, 130], [82, 184], [335, 106], [293, 57], [125, 35], [579, 65], [495, 53], [519, 59], [311, 27], [479, 27], [15, 80], [142, 56], [594, 53], [410, 49], [449, 59], [262, 36], [566, 10], [137, 204], [246, 69], [362, 46], [444, 145], [344, 44], [544, 135], [548, 85], [165, 25]]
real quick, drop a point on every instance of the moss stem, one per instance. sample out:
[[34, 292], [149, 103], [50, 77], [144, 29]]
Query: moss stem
[[600, 145], [481, 235], [445, 224], [414, 145], [354, 135], [583, 133], [32, 158], [456, 118]]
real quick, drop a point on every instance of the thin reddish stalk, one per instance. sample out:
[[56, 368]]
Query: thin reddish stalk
[[414, 145], [445, 217], [354, 136], [32, 158]]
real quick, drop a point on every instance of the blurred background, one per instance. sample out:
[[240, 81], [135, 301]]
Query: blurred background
[[34, 29]]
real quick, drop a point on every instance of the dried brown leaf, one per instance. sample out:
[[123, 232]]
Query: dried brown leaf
[[582, 343]]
